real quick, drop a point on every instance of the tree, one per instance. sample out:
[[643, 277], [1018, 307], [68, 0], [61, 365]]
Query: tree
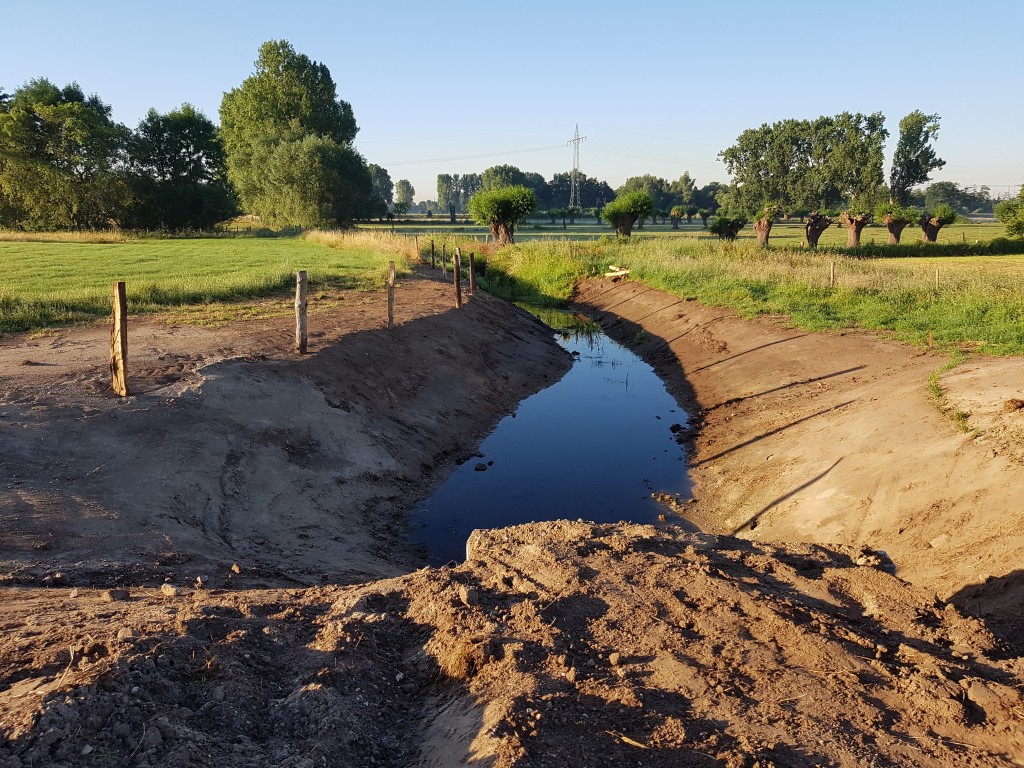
[[449, 193], [763, 223], [289, 108], [690, 211], [705, 214], [676, 214], [817, 222], [854, 220], [807, 164], [498, 176], [62, 159], [623, 212], [932, 221], [179, 172], [682, 189], [896, 218], [1011, 214], [404, 193], [383, 193], [914, 158], [727, 227], [501, 210]]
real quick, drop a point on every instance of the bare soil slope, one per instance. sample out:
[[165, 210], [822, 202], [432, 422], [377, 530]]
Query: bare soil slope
[[835, 438], [182, 567]]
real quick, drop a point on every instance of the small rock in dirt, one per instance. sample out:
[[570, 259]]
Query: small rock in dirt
[[201, 581], [571, 675], [614, 658], [73, 593], [170, 590], [113, 595], [468, 595], [126, 633], [938, 541], [235, 568], [1013, 404], [86, 750], [480, 467], [675, 428]]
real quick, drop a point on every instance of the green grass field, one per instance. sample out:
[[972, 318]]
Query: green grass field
[[977, 302], [970, 302], [61, 282]]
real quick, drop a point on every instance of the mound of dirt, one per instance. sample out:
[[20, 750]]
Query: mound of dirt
[[554, 644]]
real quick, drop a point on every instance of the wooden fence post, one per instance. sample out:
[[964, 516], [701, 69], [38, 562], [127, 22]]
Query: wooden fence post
[[419, 258], [936, 279], [472, 274], [832, 276], [119, 341], [301, 290], [391, 294], [444, 260], [458, 278], [433, 260]]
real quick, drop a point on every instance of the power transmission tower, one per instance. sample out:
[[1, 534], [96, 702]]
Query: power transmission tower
[[574, 187]]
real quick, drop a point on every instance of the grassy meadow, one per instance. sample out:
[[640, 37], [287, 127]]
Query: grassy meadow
[[62, 280], [963, 301]]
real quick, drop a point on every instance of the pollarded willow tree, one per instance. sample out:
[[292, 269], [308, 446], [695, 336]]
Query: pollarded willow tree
[[896, 218], [624, 211], [501, 210], [284, 117]]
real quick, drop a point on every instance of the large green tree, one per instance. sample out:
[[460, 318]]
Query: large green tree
[[1011, 214], [62, 160], [404, 193], [383, 190], [502, 209], [179, 172], [807, 164], [914, 158], [289, 110]]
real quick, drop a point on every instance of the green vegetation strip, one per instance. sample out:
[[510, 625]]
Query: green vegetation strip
[[977, 302], [58, 283]]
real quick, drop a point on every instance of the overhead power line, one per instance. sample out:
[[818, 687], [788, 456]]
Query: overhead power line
[[472, 157]]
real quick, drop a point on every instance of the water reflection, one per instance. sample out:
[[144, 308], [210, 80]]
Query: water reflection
[[594, 445]]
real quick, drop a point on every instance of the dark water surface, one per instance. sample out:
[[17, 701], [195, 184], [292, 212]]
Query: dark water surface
[[594, 445]]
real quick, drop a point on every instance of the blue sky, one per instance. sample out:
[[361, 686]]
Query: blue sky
[[656, 87]]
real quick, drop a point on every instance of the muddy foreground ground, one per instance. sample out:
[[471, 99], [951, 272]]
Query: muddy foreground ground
[[312, 636]]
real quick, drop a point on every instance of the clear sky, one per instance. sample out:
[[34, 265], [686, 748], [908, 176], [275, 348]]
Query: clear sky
[[656, 87]]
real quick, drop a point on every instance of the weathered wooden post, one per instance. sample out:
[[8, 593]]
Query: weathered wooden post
[[832, 276], [444, 260], [458, 278], [416, 239], [433, 260], [301, 290], [119, 341], [936, 279], [472, 274], [391, 294]]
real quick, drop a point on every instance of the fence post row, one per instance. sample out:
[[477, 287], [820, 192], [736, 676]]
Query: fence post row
[[119, 341]]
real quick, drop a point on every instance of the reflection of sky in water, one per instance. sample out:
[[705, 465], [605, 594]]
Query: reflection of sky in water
[[593, 446]]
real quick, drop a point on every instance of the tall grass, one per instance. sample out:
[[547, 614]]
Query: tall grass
[[978, 303], [66, 281]]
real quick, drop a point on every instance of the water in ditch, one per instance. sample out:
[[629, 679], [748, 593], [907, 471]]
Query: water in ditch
[[595, 445]]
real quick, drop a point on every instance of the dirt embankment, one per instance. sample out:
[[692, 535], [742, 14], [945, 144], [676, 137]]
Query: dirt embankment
[[554, 644], [835, 438]]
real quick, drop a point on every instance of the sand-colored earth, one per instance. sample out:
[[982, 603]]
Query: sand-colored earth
[[313, 637]]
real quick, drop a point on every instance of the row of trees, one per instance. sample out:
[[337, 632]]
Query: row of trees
[[284, 151], [830, 169], [65, 164]]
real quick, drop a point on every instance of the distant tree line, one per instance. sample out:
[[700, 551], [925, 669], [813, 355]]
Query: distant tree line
[[283, 151], [830, 169]]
